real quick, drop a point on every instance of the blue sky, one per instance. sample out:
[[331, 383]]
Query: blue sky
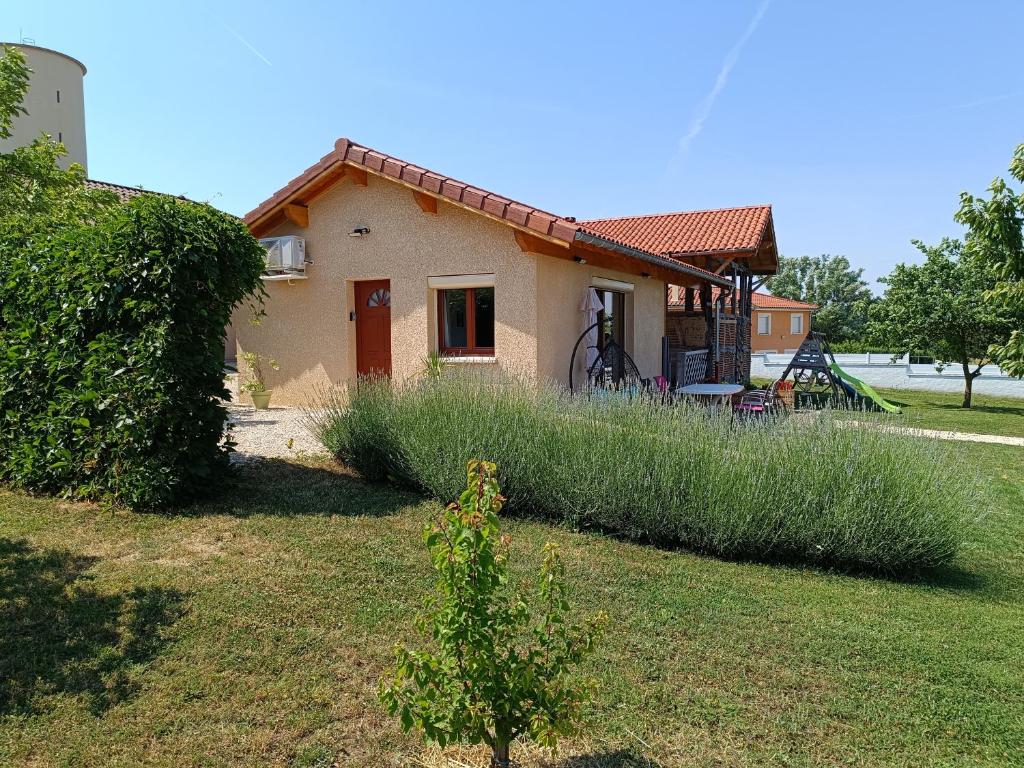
[[860, 122]]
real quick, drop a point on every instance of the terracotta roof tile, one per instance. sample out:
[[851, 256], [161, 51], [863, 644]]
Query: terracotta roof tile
[[563, 229], [767, 301], [688, 232], [123, 192]]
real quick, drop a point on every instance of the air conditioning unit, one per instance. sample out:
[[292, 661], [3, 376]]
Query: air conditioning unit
[[285, 254]]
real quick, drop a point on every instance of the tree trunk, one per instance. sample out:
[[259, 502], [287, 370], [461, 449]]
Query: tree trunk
[[499, 755], [968, 385]]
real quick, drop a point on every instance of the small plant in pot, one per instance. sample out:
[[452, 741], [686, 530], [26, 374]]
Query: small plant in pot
[[255, 380]]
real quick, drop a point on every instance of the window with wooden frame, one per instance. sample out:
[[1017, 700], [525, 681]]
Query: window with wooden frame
[[611, 318], [465, 321]]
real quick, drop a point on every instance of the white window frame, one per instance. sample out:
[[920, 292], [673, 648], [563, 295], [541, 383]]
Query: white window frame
[[764, 316], [796, 319]]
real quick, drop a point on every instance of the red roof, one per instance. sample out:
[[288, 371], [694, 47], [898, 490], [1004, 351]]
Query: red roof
[[759, 300], [767, 301], [123, 192], [725, 230], [346, 151], [348, 155]]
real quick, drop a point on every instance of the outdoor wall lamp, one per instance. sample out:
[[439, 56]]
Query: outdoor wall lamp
[[579, 259], [359, 232]]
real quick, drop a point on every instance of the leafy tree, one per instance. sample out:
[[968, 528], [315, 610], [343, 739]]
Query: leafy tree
[[841, 294], [111, 329], [940, 308], [13, 87], [996, 235], [498, 672]]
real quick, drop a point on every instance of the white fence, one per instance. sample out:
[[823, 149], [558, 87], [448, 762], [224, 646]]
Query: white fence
[[880, 370]]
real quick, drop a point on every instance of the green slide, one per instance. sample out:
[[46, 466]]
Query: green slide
[[864, 390]]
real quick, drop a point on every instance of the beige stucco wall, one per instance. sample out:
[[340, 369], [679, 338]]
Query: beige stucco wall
[[306, 328], [537, 298], [561, 286], [52, 71]]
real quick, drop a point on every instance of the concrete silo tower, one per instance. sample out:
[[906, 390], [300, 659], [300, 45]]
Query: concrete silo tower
[[55, 103]]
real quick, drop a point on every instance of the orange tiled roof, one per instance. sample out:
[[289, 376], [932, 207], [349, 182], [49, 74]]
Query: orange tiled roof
[[347, 154], [759, 300], [123, 192], [724, 230], [767, 301], [346, 151]]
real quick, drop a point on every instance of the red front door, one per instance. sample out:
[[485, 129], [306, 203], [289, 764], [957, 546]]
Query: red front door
[[373, 327]]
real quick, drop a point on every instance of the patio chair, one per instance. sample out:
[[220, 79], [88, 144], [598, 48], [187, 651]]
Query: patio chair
[[758, 402]]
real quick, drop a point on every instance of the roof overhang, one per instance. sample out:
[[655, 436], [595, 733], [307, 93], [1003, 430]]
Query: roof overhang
[[674, 270], [760, 260], [535, 231]]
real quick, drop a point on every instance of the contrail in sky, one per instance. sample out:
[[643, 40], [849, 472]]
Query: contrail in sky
[[963, 105], [703, 110], [248, 45]]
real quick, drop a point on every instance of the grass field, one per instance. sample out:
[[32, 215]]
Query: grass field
[[989, 415], [252, 630]]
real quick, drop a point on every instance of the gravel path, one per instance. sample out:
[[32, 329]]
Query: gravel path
[[970, 437], [941, 434], [273, 433]]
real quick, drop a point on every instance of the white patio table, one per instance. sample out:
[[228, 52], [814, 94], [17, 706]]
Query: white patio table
[[720, 394]]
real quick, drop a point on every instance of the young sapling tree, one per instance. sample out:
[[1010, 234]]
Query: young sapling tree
[[499, 670]]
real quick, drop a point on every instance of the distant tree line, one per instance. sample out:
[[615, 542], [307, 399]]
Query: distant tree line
[[964, 304]]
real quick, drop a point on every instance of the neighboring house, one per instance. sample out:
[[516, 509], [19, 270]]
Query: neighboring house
[[776, 324], [779, 325], [402, 262]]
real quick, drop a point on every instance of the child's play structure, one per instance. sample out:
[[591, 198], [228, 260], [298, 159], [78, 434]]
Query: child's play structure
[[817, 379]]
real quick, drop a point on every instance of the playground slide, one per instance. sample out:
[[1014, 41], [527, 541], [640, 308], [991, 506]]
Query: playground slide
[[863, 389]]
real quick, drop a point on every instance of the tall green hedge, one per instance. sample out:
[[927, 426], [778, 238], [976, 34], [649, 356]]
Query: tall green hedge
[[111, 350]]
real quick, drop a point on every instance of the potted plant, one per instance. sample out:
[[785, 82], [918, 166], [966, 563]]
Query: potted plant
[[255, 380]]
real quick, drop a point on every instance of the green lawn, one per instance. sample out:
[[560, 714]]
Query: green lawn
[[989, 415], [252, 631]]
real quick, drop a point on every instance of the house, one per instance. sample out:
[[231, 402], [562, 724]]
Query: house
[[777, 324], [400, 261]]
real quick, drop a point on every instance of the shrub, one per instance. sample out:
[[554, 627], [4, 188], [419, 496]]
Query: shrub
[[256, 377], [812, 488], [498, 672], [112, 331]]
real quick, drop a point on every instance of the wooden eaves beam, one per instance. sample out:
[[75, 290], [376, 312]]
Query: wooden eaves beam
[[297, 214], [723, 264], [531, 244], [358, 175], [427, 203]]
